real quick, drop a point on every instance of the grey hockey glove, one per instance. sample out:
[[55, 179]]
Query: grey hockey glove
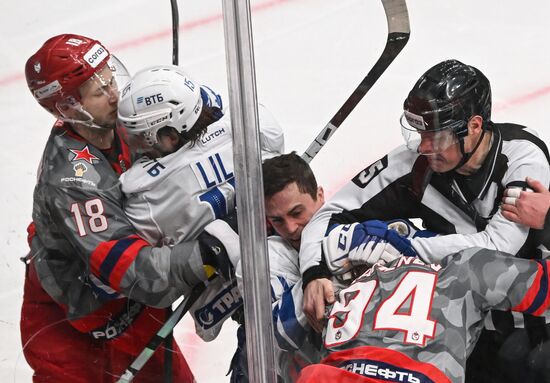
[[220, 250], [365, 243]]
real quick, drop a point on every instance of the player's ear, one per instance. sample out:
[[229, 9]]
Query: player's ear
[[475, 125], [320, 194]]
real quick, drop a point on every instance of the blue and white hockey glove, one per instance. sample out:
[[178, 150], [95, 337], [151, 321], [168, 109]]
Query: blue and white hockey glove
[[365, 243]]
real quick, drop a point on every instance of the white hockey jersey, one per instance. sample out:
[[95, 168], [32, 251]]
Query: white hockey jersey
[[291, 328], [171, 199]]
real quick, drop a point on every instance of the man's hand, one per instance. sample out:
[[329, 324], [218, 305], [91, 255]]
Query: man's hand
[[317, 294], [525, 207]]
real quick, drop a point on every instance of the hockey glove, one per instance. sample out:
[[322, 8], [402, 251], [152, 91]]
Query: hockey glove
[[363, 243], [220, 249]]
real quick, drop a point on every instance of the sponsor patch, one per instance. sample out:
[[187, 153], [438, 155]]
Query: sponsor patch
[[47, 90], [74, 42], [96, 55], [80, 180], [79, 169], [119, 323], [209, 136], [219, 307], [415, 121], [151, 99], [384, 371]]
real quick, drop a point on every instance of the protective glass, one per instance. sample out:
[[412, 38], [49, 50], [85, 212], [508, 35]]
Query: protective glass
[[427, 141], [109, 83]]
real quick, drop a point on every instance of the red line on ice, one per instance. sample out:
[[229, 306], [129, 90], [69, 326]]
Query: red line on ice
[[190, 340], [164, 34]]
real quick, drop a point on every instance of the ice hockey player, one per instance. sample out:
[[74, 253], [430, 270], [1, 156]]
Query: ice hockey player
[[185, 184], [292, 196], [415, 321], [77, 322], [451, 174]]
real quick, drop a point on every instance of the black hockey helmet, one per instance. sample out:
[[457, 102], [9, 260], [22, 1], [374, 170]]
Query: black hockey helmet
[[443, 100]]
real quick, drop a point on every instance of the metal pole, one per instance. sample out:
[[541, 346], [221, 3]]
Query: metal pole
[[250, 199]]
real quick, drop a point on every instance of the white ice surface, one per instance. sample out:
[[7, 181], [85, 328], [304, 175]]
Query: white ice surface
[[310, 55]]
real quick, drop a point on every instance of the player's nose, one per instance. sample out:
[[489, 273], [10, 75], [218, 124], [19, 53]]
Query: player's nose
[[426, 146], [292, 226]]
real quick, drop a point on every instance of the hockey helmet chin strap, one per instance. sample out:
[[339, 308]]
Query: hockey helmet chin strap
[[87, 120], [89, 123], [466, 156]]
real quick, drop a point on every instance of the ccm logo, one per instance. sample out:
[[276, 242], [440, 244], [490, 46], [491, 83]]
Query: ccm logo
[[95, 55]]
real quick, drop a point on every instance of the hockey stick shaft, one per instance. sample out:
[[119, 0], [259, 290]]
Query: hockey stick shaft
[[164, 332], [175, 31], [398, 34]]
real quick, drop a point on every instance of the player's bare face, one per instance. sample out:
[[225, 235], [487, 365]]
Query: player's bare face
[[446, 160], [99, 97], [290, 210]]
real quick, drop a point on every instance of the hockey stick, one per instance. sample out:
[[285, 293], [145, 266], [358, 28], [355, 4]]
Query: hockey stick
[[164, 332], [175, 31], [398, 35]]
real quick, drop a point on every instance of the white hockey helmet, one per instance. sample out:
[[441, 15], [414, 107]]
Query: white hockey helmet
[[156, 97]]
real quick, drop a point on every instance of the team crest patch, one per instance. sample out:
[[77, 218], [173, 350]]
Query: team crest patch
[[83, 154], [37, 67]]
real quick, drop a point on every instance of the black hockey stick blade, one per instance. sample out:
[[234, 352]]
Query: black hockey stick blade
[[175, 31], [162, 334], [398, 34]]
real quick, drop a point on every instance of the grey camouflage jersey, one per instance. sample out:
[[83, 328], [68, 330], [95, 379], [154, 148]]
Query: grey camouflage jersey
[[430, 313], [86, 253]]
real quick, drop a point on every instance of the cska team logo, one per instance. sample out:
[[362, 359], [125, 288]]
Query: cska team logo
[[83, 154]]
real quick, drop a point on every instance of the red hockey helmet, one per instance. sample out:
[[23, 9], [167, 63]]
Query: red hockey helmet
[[58, 69]]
